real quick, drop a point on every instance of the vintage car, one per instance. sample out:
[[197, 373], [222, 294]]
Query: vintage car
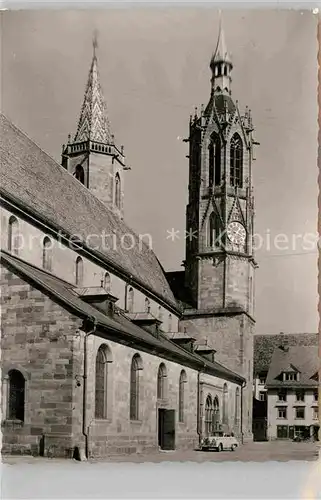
[[219, 441]]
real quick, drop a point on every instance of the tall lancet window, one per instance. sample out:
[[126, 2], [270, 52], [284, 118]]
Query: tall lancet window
[[13, 235], [107, 282], [236, 161], [225, 404], [135, 368], [47, 247], [147, 305], [181, 396], [79, 271], [79, 174], [130, 300], [117, 191], [213, 239], [214, 161]]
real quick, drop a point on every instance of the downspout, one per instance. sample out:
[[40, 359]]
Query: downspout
[[199, 407], [84, 420], [242, 433]]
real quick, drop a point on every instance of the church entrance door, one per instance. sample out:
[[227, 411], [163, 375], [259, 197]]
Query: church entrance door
[[166, 429]]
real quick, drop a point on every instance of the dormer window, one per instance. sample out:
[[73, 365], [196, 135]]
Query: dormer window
[[290, 376]]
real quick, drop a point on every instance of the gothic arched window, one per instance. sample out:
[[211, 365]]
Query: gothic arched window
[[16, 407], [216, 415], [130, 300], [225, 404], [215, 160], [236, 161], [208, 416], [79, 271], [47, 254], [79, 174], [103, 358], [13, 235], [181, 395], [135, 368], [213, 231], [117, 191], [162, 382], [170, 324], [160, 313], [107, 282]]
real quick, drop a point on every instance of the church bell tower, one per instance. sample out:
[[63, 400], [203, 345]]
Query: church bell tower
[[92, 156], [219, 263], [219, 255]]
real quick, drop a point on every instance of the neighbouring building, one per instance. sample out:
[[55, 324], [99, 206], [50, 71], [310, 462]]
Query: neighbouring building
[[285, 388], [102, 351]]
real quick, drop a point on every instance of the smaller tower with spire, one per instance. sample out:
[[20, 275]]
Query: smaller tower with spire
[[93, 157], [221, 65]]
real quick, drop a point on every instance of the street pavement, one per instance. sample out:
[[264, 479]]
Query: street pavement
[[292, 473], [251, 452]]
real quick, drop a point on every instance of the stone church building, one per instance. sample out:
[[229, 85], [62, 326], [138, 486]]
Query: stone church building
[[103, 351]]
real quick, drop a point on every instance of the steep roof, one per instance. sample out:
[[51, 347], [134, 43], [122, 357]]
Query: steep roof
[[32, 179], [117, 328], [93, 121], [221, 103], [303, 359], [264, 346]]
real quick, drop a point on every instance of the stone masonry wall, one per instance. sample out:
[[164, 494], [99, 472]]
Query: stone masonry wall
[[37, 340], [118, 434], [232, 338]]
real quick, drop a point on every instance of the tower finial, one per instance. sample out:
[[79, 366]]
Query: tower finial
[[221, 64], [95, 42]]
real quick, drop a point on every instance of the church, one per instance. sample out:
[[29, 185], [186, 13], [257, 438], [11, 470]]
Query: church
[[103, 351]]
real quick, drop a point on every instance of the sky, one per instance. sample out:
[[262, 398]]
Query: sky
[[154, 69]]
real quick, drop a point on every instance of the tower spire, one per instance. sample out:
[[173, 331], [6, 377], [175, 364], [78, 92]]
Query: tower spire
[[93, 122], [221, 63], [95, 43]]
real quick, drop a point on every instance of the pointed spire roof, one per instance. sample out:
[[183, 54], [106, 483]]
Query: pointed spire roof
[[221, 53], [93, 122]]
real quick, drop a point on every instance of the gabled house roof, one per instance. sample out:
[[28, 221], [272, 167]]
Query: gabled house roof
[[303, 359], [33, 182], [264, 346], [117, 328]]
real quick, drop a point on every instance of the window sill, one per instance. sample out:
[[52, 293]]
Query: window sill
[[281, 418], [136, 422], [13, 423], [103, 420]]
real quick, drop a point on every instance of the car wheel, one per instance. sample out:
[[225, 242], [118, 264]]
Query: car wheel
[[233, 447]]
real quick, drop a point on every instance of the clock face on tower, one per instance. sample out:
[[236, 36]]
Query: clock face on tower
[[236, 233]]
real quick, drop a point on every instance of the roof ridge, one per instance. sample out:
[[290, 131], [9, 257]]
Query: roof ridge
[[21, 131]]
